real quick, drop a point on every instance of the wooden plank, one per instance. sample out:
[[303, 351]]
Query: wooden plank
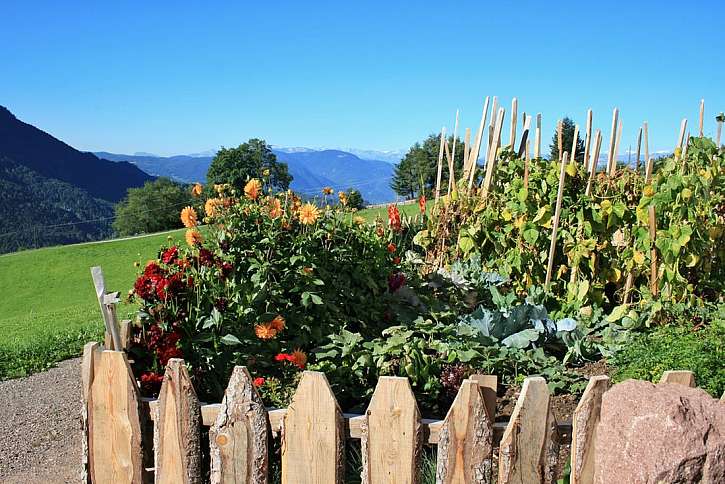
[[91, 355], [489, 386], [681, 377], [239, 438], [612, 140], [465, 442], [440, 164], [177, 442], [594, 162], [514, 120], [100, 285], [126, 332], [557, 214], [477, 146], [392, 434], [492, 152], [313, 443], [588, 141], [114, 421], [537, 141], [584, 431], [528, 452]]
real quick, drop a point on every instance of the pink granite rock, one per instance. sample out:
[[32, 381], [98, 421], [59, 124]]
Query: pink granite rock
[[660, 433]]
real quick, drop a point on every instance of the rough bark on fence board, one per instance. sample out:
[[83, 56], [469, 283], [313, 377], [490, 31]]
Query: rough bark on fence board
[[682, 377], [239, 437], [114, 420], [177, 441], [91, 352], [465, 441], [391, 436], [584, 431], [488, 384], [313, 433], [529, 451]]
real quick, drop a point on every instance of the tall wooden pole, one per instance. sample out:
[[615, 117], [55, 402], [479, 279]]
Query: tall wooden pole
[[560, 138], [594, 162], [525, 136], [514, 120], [573, 143], [537, 140], [466, 149], [653, 286], [451, 163], [681, 138], [492, 152], [492, 124], [613, 169], [639, 148], [473, 159], [440, 164], [557, 214], [645, 132], [613, 141], [702, 117], [588, 139]]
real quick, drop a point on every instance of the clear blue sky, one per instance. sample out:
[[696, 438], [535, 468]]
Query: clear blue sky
[[181, 77]]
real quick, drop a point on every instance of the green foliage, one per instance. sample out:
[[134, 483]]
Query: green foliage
[[567, 137], [677, 347], [416, 173], [152, 208], [249, 160], [354, 199]]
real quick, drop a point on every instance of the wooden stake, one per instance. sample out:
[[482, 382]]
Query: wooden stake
[[652, 235], [440, 165], [594, 162], [527, 162], [451, 179], [679, 377], [450, 168], [559, 137], [573, 143], [702, 117], [512, 131], [491, 160], [681, 138], [525, 136], [646, 142], [537, 140], [588, 140], [686, 143], [557, 214], [639, 148], [613, 169], [108, 315], [584, 430], [719, 133], [492, 124], [466, 143], [613, 140], [477, 145]]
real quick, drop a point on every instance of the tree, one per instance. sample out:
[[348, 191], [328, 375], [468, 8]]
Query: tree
[[354, 199], [249, 160], [567, 132], [416, 173], [152, 208]]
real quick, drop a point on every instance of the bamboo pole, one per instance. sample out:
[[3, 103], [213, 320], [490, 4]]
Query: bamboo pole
[[613, 170], [491, 160], [537, 140], [702, 117], [514, 120], [573, 143], [588, 139], [555, 224], [560, 137], [639, 148], [613, 140], [652, 234], [594, 162], [477, 145], [440, 165]]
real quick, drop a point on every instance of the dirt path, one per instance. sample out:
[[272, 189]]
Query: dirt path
[[40, 435]]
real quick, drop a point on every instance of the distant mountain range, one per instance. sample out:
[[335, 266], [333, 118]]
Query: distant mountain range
[[51, 193], [311, 169]]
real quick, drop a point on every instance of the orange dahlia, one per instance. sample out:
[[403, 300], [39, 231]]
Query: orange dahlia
[[309, 214], [211, 206], [421, 204], [327, 191], [343, 197], [252, 189], [275, 208], [193, 237], [197, 189], [277, 323], [188, 217], [299, 358], [265, 331]]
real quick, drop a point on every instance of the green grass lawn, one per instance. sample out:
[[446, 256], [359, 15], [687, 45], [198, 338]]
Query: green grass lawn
[[48, 307]]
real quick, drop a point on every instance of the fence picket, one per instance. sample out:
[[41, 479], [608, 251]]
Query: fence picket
[[177, 431], [488, 385], [529, 450], [239, 437], [584, 421], [683, 377], [391, 434], [114, 418], [465, 441], [313, 434]]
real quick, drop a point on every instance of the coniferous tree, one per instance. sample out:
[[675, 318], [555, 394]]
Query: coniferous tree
[[567, 132], [416, 173]]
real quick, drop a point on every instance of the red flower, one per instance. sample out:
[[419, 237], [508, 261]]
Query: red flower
[[165, 354], [259, 381], [421, 204], [391, 247], [144, 288], [226, 269], [396, 281], [161, 288], [153, 270], [283, 357], [394, 217], [151, 382], [206, 257], [170, 255], [396, 260]]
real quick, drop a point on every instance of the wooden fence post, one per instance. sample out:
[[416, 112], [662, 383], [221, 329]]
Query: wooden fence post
[[681, 377], [239, 437], [514, 120], [473, 159], [555, 223], [440, 164], [391, 437], [613, 141], [177, 441], [583, 435], [107, 308], [588, 140], [313, 445], [492, 151], [465, 440], [594, 162], [529, 446], [537, 141]]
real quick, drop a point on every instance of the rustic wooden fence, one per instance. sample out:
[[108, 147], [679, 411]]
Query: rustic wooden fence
[[130, 439]]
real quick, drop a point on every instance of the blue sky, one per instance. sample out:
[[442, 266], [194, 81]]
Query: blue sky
[[183, 77]]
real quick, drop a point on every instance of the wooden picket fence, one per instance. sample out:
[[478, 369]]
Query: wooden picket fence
[[129, 439]]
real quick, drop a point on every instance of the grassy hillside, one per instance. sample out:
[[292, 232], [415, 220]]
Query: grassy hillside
[[49, 309]]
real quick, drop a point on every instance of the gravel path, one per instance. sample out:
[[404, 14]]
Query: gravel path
[[40, 435]]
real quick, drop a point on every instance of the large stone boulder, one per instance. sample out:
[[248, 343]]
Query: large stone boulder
[[665, 433]]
